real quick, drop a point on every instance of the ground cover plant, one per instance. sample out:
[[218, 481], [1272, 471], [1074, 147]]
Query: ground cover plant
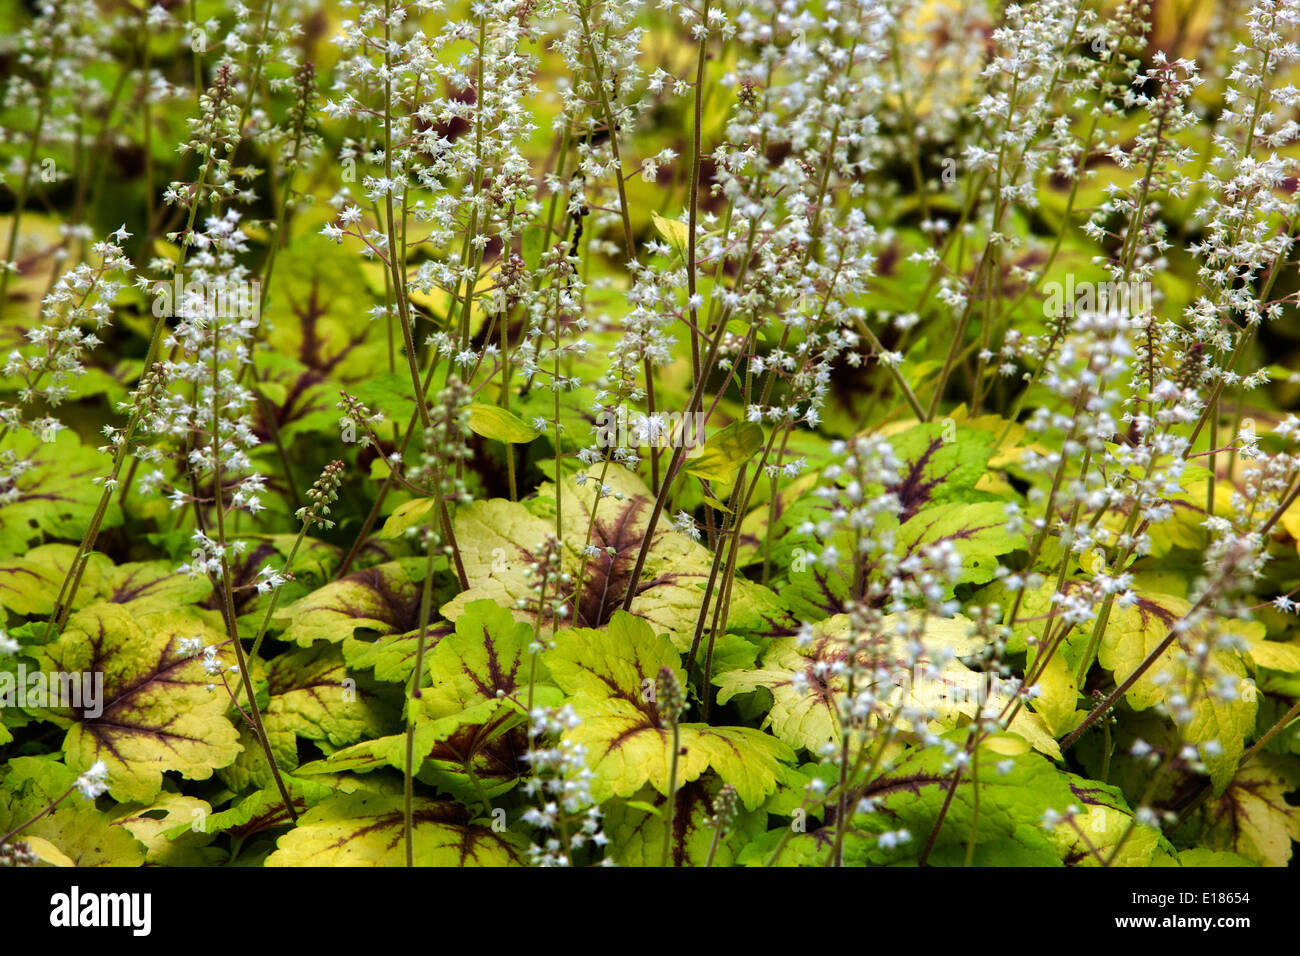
[[602, 432]]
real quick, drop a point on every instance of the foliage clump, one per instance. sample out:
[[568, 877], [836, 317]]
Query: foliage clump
[[598, 432]]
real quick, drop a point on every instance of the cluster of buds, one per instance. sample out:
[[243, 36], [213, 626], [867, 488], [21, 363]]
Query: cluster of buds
[[548, 585], [17, 853], [669, 699], [321, 495], [726, 806]]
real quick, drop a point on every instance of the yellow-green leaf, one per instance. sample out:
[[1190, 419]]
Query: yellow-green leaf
[[724, 452], [499, 424], [368, 829]]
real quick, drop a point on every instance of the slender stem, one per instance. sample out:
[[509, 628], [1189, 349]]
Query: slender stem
[[417, 676], [672, 794]]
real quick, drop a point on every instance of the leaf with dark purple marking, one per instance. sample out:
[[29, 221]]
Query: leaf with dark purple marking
[[385, 598], [1222, 720], [610, 677], [485, 658], [368, 829], [1016, 787], [488, 739], [156, 712], [499, 538], [313, 696], [1253, 816], [55, 494], [318, 307], [74, 833], [942, 462], [31, 584], [637, 834]]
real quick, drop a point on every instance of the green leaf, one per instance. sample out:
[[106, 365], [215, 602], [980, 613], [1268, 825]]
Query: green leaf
[[676, 232], [392, 656], [385, 598], [499, 424], [1014, 794], [805, 702], [368, 829], [411, 514], [261, 810], [610, 678], [500, 539], [75, 832], [487, 739], [391, 394], [724, 452], [158, 713], [313, 696], [1134, 632], [55, 495]]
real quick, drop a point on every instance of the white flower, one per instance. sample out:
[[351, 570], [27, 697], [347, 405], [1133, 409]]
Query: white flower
[[92, 783]]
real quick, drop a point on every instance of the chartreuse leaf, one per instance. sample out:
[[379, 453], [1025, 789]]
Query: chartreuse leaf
[[392, 656], [978, 530], [385, 598], [75, 833], [1089, 838], [805, 701], [155, 712], [1135, 631], [313, 696], [724, 452], [250, 768], [1252, 816], [31, 584], [368, 829], [55, 494], [171, 830], [498, 540], [1058, 694], [1275, 655], [408, 515], [485, 658], [1201, 857], [1016, 791], [676, 232], [318, 303], [499, 424], [609, 677], [1184, 527], [636, 828]]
